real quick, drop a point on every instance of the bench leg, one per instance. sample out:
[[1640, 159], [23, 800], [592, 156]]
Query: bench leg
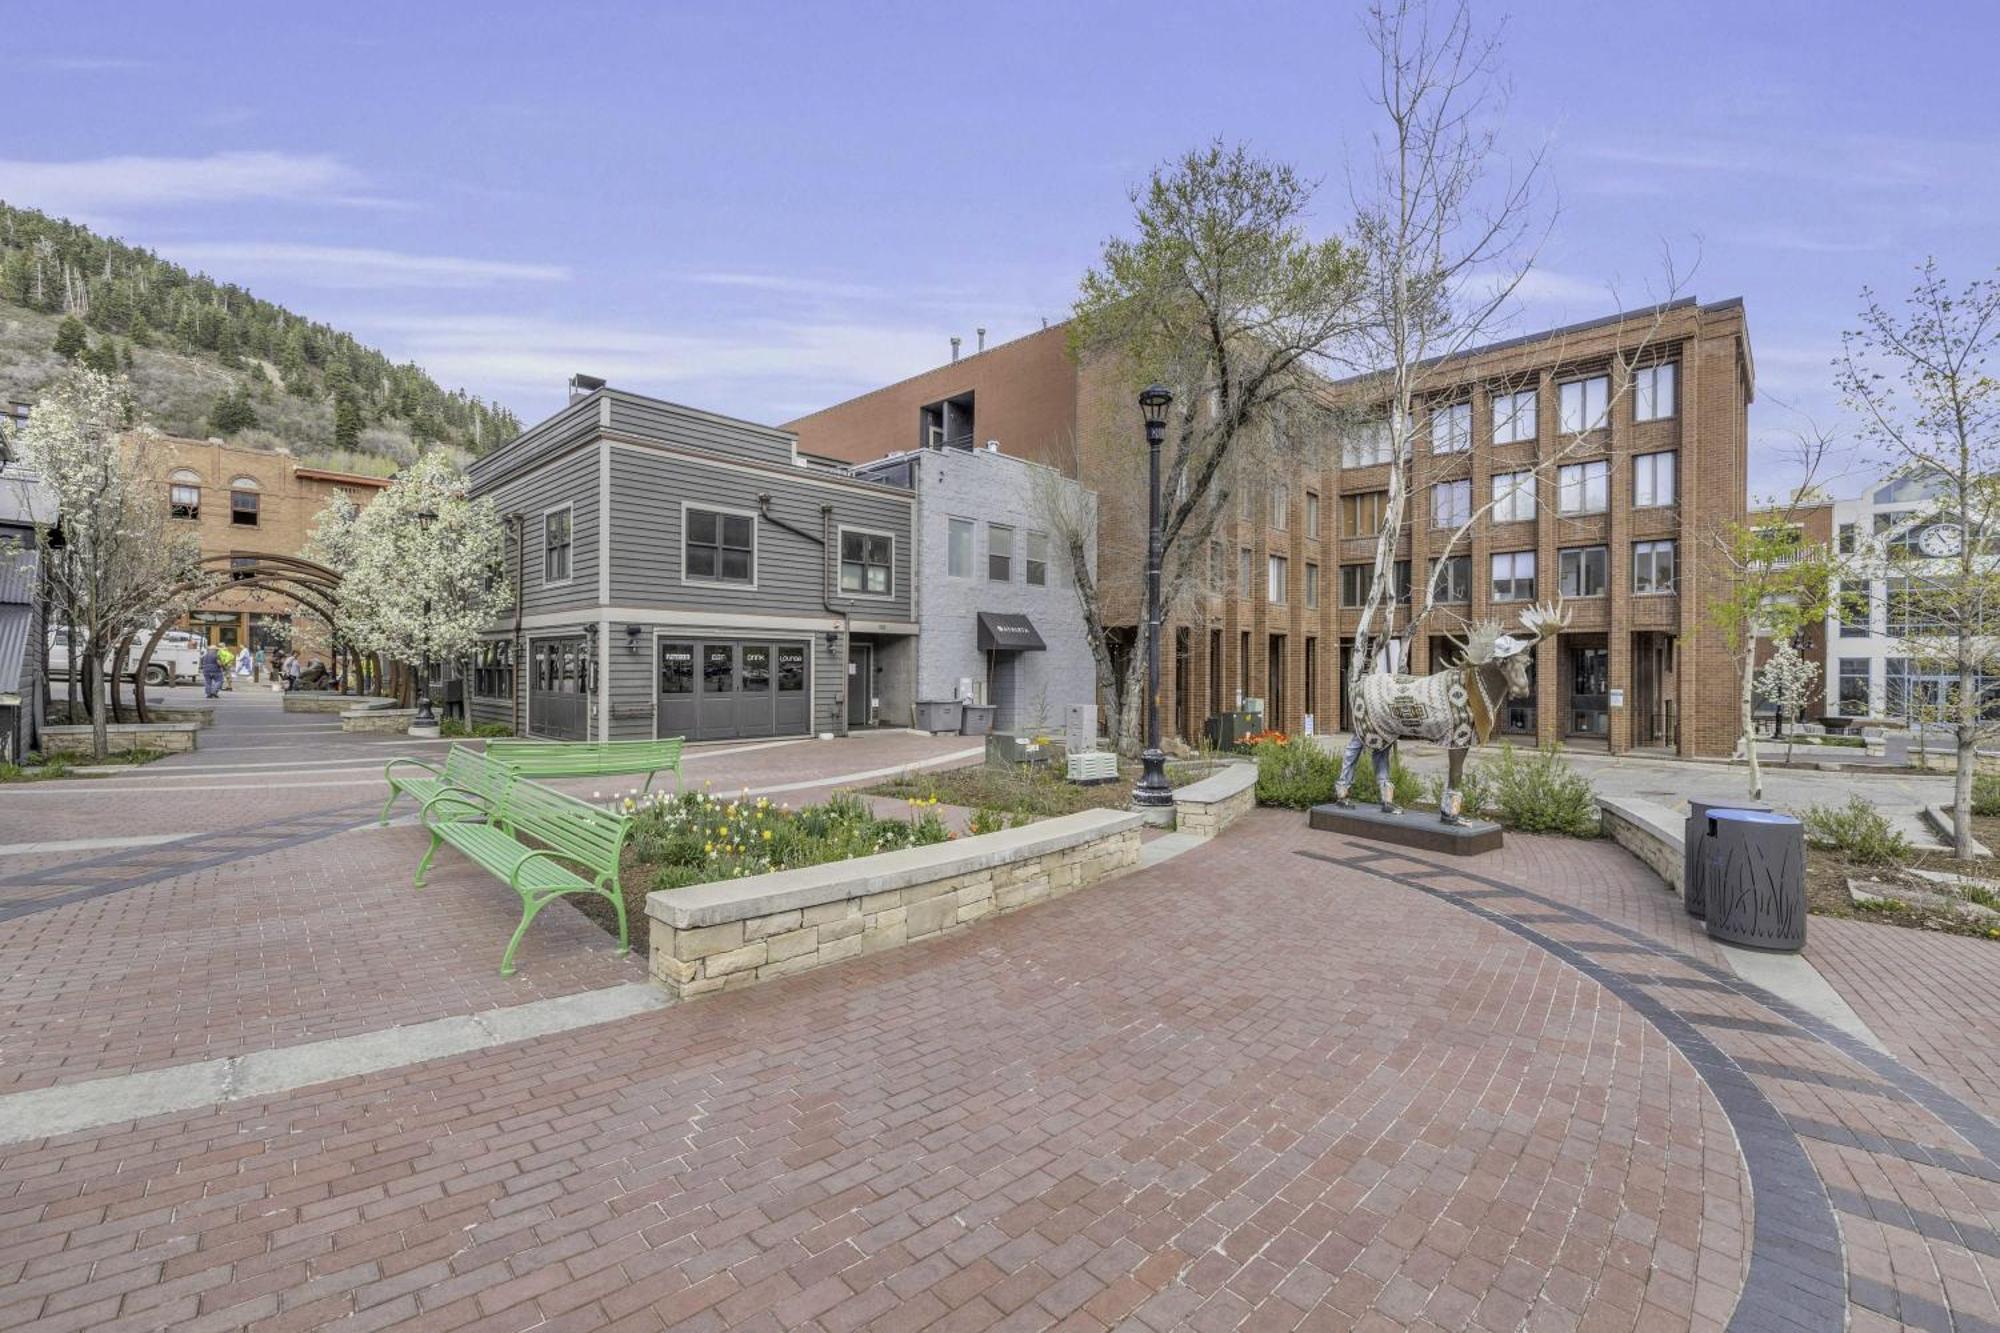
[[529, 909], [424, 865], [618, 905], [393, 794]]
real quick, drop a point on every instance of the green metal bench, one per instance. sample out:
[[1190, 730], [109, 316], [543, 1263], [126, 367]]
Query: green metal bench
[[465, 771], [589, 759], [543, 843]]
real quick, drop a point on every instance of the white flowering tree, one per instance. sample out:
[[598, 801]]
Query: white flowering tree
[[116, 565], [414, 589], [1790, 680]]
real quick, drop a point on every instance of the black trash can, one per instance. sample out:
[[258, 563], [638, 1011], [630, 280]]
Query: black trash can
[[1756, 879], [1693, 832]]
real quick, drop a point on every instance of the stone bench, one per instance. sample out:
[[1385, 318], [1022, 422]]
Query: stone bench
[[1207, 807], [326, 701], [122, 738], [382, 720], [734, 933]]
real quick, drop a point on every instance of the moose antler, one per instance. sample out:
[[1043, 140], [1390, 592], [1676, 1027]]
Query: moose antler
[[1546, 618]]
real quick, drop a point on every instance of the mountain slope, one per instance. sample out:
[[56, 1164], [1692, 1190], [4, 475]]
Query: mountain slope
[[189, 342]]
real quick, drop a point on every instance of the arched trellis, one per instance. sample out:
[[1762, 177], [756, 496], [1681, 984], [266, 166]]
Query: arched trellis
[[307, 582]]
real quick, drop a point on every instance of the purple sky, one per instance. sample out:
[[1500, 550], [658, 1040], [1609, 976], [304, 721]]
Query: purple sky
[[760, 209]]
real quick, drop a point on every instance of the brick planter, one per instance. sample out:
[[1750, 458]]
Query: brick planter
[[326, 701], [735, 933], [122, 738], [380, 721]]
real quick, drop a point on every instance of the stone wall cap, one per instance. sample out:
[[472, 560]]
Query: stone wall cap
[[378, 710], [1231, 780], [114, 728], [723, 901], [1655, 818]]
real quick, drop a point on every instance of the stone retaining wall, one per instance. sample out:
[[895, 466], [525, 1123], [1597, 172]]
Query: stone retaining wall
[[122, 738], [380, 721], [1649, 831], [1207, 807], [325, 701], [736, 933]]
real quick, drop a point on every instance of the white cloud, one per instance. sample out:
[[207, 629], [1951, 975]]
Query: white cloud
[[336, 266], [97, 184]]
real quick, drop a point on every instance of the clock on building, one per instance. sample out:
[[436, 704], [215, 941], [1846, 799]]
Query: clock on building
[[1941, 539]]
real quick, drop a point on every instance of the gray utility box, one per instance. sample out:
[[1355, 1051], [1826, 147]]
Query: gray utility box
[[939, 714], [1756, 879], [975, 719], [1004, 747], [1693, 834], [1080, 728]]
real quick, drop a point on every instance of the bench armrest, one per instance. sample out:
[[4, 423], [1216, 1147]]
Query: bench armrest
[[590, 872], [454, 797], [388, 774]]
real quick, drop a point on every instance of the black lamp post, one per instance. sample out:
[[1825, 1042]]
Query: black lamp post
[[425, 718], [1153, 792]]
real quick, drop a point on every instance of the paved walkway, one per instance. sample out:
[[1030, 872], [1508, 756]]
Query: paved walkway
[[1282, 1080]]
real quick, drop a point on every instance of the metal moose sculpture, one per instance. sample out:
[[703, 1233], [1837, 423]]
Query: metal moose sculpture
[[1456, 707]]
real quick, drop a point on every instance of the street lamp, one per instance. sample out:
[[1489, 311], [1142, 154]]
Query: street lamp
[[425, 719], [1153, 792]]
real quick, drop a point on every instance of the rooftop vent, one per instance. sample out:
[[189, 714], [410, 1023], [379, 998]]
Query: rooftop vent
[[982, 339], [582, 386], [954, 346]]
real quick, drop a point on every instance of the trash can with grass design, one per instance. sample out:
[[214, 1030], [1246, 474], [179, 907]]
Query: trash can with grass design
[[1693, 834], [1754, 876]]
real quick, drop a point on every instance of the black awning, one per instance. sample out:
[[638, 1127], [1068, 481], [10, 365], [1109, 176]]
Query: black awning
[[1005, 633]]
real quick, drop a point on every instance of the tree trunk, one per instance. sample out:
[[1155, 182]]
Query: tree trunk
[[100, 737], [1968, 754], [1747, 720]]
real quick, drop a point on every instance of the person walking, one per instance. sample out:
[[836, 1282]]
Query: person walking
[[227, 655], [291, 670], [211, 672]]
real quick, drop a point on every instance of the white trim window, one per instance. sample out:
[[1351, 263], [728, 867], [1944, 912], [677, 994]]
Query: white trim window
[[1656, 392], [1580, 571], [1652, 480], [558, 529], [1513, 497], [1454, 584], [1037, 571], [244, 501], [999, 553], [184, 494], [718, 546], [1451, 428], [867, 563], [1585, 404], [1366, 443], [1653, 568], [1583, 488], [1277, 580], [1451, 503], [1514, 576], [958, 548], [1514, 416]]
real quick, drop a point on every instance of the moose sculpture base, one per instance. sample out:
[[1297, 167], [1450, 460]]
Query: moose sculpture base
[[1420, 829]]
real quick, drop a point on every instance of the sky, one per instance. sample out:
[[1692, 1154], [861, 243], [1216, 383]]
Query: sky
[[761, 209]]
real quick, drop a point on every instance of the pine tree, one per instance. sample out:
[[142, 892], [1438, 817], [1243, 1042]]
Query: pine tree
[[225, 346], [103, 357], [347, 422], [128, 358], [142, 330], [232, 412], [71, 339]]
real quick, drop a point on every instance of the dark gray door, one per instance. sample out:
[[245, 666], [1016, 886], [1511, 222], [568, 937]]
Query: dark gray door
[[723, 689], [677, 711], [716, 712], [860, 683], [558, 689], [1003, 690]]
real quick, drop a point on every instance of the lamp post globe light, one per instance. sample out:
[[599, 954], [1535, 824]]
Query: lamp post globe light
[[1153, 792], [425, 720]]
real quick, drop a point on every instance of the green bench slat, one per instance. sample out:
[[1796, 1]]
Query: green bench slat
[[589, 759]]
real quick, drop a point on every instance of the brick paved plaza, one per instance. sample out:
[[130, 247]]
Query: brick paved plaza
[[1281, 1080]]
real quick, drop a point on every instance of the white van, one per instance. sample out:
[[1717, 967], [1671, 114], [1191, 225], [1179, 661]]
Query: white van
[[176, 660]]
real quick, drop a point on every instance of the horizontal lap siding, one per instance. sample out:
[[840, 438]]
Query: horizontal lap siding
[[565, 429], [631, 677], [571, 480], [670, 423]]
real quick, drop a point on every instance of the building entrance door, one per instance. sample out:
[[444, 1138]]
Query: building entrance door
[[1589, 682], [860, 684], [559, 689], [720, 690]]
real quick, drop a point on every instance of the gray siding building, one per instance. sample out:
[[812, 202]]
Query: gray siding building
[[997, 605], [680, 573]]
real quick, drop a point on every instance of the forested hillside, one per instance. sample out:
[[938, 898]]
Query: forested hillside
[[208, 358]]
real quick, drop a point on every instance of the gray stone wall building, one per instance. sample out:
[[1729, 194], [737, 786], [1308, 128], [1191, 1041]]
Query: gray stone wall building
[[997, 604]]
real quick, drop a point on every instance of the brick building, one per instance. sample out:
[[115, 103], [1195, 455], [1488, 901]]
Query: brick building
[[1615, 513]]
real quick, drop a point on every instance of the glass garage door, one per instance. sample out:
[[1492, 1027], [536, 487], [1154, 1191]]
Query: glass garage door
[[727, 689]]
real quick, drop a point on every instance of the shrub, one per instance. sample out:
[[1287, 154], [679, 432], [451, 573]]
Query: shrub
[[1407, 786], [1857, 831], [1540, 793], [1295, 776], [1986, 795], [1475, 788]]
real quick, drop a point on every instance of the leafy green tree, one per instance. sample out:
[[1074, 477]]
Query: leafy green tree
[[102, 358], [72, 340], [232, 412]]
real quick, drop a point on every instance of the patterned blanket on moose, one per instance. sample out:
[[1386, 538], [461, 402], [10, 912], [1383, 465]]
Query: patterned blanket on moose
[[1436, 708]]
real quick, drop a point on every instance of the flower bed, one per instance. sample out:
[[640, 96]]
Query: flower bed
[[695, 837]]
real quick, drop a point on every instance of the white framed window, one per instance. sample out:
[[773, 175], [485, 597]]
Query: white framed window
[[1583, 488], [867, 563], [958, 548], [1281, 505], [1514, 416], [184, 493], [1580, 571], [1586, 404], [1656, 392], [1451, 503], [1312, 515], [556, 530], [1513, 497], [1653, 568], [1652, 480], [1312, 586], [999, 553], [718, 546], [1453, 583], [1038, 558], [244, 501], [1514, 576], [1451, 428], [1365, 444], [1276, 577]]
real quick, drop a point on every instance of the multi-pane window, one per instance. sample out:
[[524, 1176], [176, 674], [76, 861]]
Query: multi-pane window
[[1655, 392], [1580, 571], [1854, 681], [958, 548], [1312, 515], [1514, 416], [1901, 523], [1400, 581], [1354, 584], [555, 546], [1243, 571], [1849, 538], [243, 508], [999, 553], [1451, 428], [867, 561], [1907, 611], [1453, 582], [1451, 504], [1652, 567], [1038, 558], [1276, 576], [1281, 504], [1514, 576], [1583, 488], [183, 500], [1361, 515], [493, 671], [1853, 608], [1312, 586], [721, 548], [1513, 497], [1653, 480], [1585, 404], [1366, 443]]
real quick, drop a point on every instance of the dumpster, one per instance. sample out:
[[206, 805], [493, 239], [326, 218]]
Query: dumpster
[[1692, 834], [975, 719], [938, 714], [1756, 879]]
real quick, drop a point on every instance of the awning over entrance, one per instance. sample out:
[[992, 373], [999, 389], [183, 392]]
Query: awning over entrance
[[1003, 632]]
